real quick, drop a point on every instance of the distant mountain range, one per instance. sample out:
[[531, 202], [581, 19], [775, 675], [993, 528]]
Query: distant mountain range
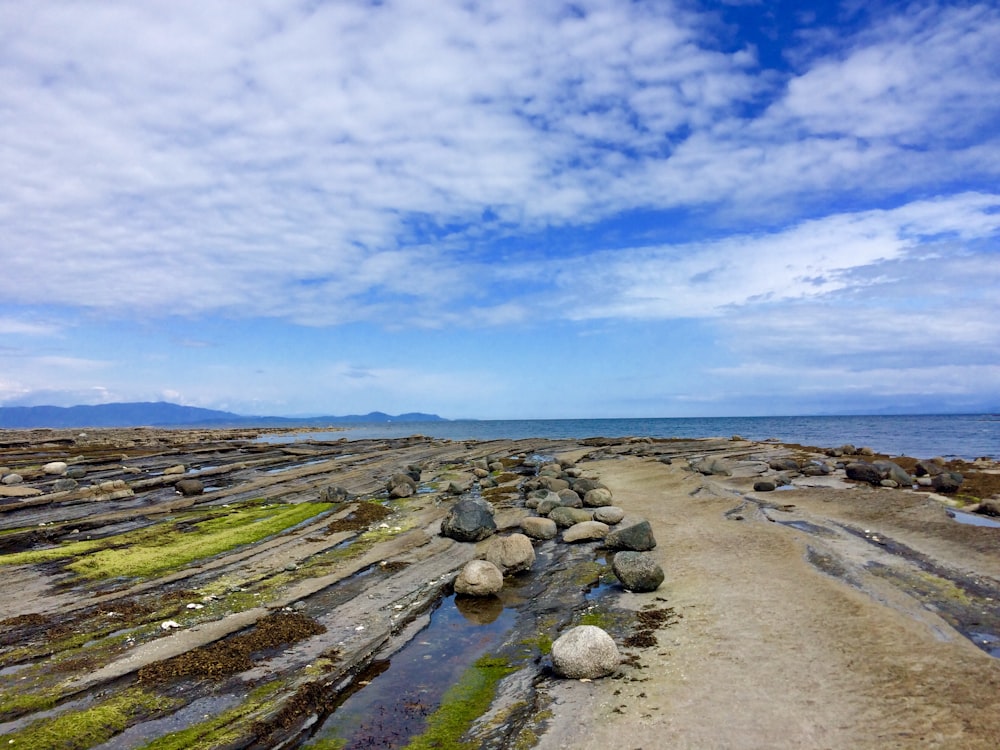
[[163, 414]]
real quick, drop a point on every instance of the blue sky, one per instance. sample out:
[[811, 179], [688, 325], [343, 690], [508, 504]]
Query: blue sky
[[508, 209]]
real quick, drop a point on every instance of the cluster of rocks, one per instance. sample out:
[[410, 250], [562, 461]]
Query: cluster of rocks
[[932, 474], [64, 478], [582, 508]]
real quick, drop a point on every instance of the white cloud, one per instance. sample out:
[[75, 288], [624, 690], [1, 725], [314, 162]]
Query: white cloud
[[21, 327], [812, 259]]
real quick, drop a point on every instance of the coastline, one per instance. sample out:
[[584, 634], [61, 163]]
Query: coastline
[[830, 613]]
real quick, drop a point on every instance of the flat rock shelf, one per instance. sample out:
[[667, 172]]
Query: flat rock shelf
[[273, 587]]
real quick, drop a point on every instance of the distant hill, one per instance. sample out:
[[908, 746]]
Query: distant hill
[[163, 414]]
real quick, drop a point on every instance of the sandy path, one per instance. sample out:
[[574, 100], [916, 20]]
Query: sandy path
[[770, 652]]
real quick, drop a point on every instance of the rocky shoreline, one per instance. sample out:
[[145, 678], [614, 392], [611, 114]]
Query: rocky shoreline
[[202, 589]]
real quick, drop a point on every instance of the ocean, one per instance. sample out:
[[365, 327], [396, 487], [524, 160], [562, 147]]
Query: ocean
[[966, 436]]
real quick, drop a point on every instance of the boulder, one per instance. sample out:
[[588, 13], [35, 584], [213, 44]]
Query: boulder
[[947, 482], [585, 652], [479, 578], [549, 504], [512, 553], [55, 468], [536, 497], [401, 485], [550, 470], [586, 531], [459, 487], [609, 514], [64, 485], [862, 471], [815, 469], [539, 528], [598, 497], [637, 537], [895, 472], [186, 487], [76, 472], [637, 571], [335, 494], [12, 478], [713, 466], [783, 464], [552, 483], [989, 507], [569, 498], [468, 521], [765, 485], [566, 517], [584, 485], [927, 468], [176, 469]]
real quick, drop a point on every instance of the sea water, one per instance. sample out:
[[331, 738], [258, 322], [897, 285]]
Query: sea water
[[965, 436]]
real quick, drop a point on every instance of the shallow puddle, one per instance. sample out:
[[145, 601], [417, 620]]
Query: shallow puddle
[[973, 519], [393, 707]]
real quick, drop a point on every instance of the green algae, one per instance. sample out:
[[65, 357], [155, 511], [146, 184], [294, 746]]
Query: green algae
[[462, 704], [151, 551], [91, 726], [224, 729]]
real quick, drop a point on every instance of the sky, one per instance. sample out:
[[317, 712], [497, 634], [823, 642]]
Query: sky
[[501, 209]]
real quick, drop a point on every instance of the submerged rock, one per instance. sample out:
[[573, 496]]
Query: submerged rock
[[585, 652]]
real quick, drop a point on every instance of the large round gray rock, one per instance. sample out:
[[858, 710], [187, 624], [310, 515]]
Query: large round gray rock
[[597, 497], [586, 531], [468, 521], [584, 485], [783, 464], [609, 514], [637, 571], [479, 578], [552, 483], [566, 517], [947, 481], [13, 478], [895, 472], [570, 499], [186, 487], [512, 553], [401, 485], [539, 528], [862, 471], [585, 652], [637, 537]]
